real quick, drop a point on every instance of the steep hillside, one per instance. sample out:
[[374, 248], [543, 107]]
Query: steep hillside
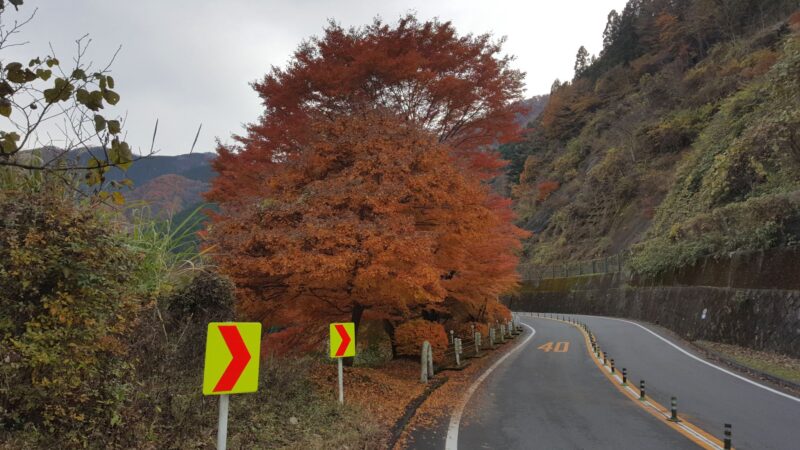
[[516, 153], [535, 105], [681, 140]]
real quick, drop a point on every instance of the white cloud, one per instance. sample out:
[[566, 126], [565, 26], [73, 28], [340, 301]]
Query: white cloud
[[188, 62]]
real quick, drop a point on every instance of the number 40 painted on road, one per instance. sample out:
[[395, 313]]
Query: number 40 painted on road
[[559, 347]]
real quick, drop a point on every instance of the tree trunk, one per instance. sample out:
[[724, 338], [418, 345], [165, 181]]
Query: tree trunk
[[355, 317], [388, 326]]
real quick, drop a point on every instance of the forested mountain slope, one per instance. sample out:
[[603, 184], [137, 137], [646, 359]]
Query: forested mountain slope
[[681, 140]]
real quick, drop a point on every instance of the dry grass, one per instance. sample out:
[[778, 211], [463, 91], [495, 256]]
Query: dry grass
[[774, 364]]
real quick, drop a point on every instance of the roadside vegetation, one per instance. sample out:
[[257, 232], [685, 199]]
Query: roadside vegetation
[[781, 366], [365, 214], [102, 339]]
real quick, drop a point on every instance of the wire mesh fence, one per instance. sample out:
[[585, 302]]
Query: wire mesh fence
[[609, 264]]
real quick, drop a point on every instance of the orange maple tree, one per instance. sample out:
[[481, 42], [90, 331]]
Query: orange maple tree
[[371, 216], [457, 87], [360, 189]]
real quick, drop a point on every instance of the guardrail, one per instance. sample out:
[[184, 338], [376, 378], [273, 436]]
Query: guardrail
[[459, 349], [609, 264]]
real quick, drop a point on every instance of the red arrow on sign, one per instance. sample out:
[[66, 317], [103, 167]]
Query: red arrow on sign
[[345, 340], [241, 356]]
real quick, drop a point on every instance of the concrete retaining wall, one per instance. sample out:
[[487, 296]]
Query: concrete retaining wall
[[758, 319], [777, 268], [751, 300]]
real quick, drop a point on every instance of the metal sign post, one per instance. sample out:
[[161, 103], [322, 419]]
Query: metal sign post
[[342, 345], [341, 381], [231, 366], [222, 423]]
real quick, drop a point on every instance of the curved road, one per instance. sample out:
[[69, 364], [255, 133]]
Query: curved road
[[554, 397], [707, 396], [550, 397]]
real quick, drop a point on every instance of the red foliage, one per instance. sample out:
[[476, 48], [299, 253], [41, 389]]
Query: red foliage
[[360, 188], [457, 87], [545, 189], [464, 329], [370, 217], [794, 21], [497, 311], [409, 337], [292, 340]]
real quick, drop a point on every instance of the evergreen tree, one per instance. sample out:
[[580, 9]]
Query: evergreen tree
[[581, 61], [611, 31]]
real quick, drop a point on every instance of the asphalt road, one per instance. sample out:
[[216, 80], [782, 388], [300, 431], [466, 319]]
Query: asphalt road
[[707, 396], [557, 399]]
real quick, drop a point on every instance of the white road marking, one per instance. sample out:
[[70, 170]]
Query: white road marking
[[455, 419], [746, 380], [615, 376]]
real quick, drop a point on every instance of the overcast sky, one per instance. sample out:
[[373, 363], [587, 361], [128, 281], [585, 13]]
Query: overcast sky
[[188, 62]]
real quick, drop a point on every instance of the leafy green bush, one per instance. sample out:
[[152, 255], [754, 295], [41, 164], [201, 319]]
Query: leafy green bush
[[208, 296], [564, 167], [755, 224], [64, 308], [676, 131]]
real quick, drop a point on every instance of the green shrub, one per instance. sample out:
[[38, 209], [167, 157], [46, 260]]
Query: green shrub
[[64, 308], [208, 295], [178, 342], [565, 165], [755, 224], [676, 131], [168, 249]]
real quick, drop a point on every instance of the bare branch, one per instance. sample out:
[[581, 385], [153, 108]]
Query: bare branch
[[195, 138]]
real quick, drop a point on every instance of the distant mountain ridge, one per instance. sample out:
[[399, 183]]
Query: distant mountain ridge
[[169, 184], [194, 166]]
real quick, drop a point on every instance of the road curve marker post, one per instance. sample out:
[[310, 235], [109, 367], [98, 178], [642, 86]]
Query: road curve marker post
[[727, 441], [343, 345], [233, 351], [674, 409]]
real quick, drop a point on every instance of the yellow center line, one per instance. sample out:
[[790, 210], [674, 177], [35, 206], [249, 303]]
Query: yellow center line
[[684, 427]]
